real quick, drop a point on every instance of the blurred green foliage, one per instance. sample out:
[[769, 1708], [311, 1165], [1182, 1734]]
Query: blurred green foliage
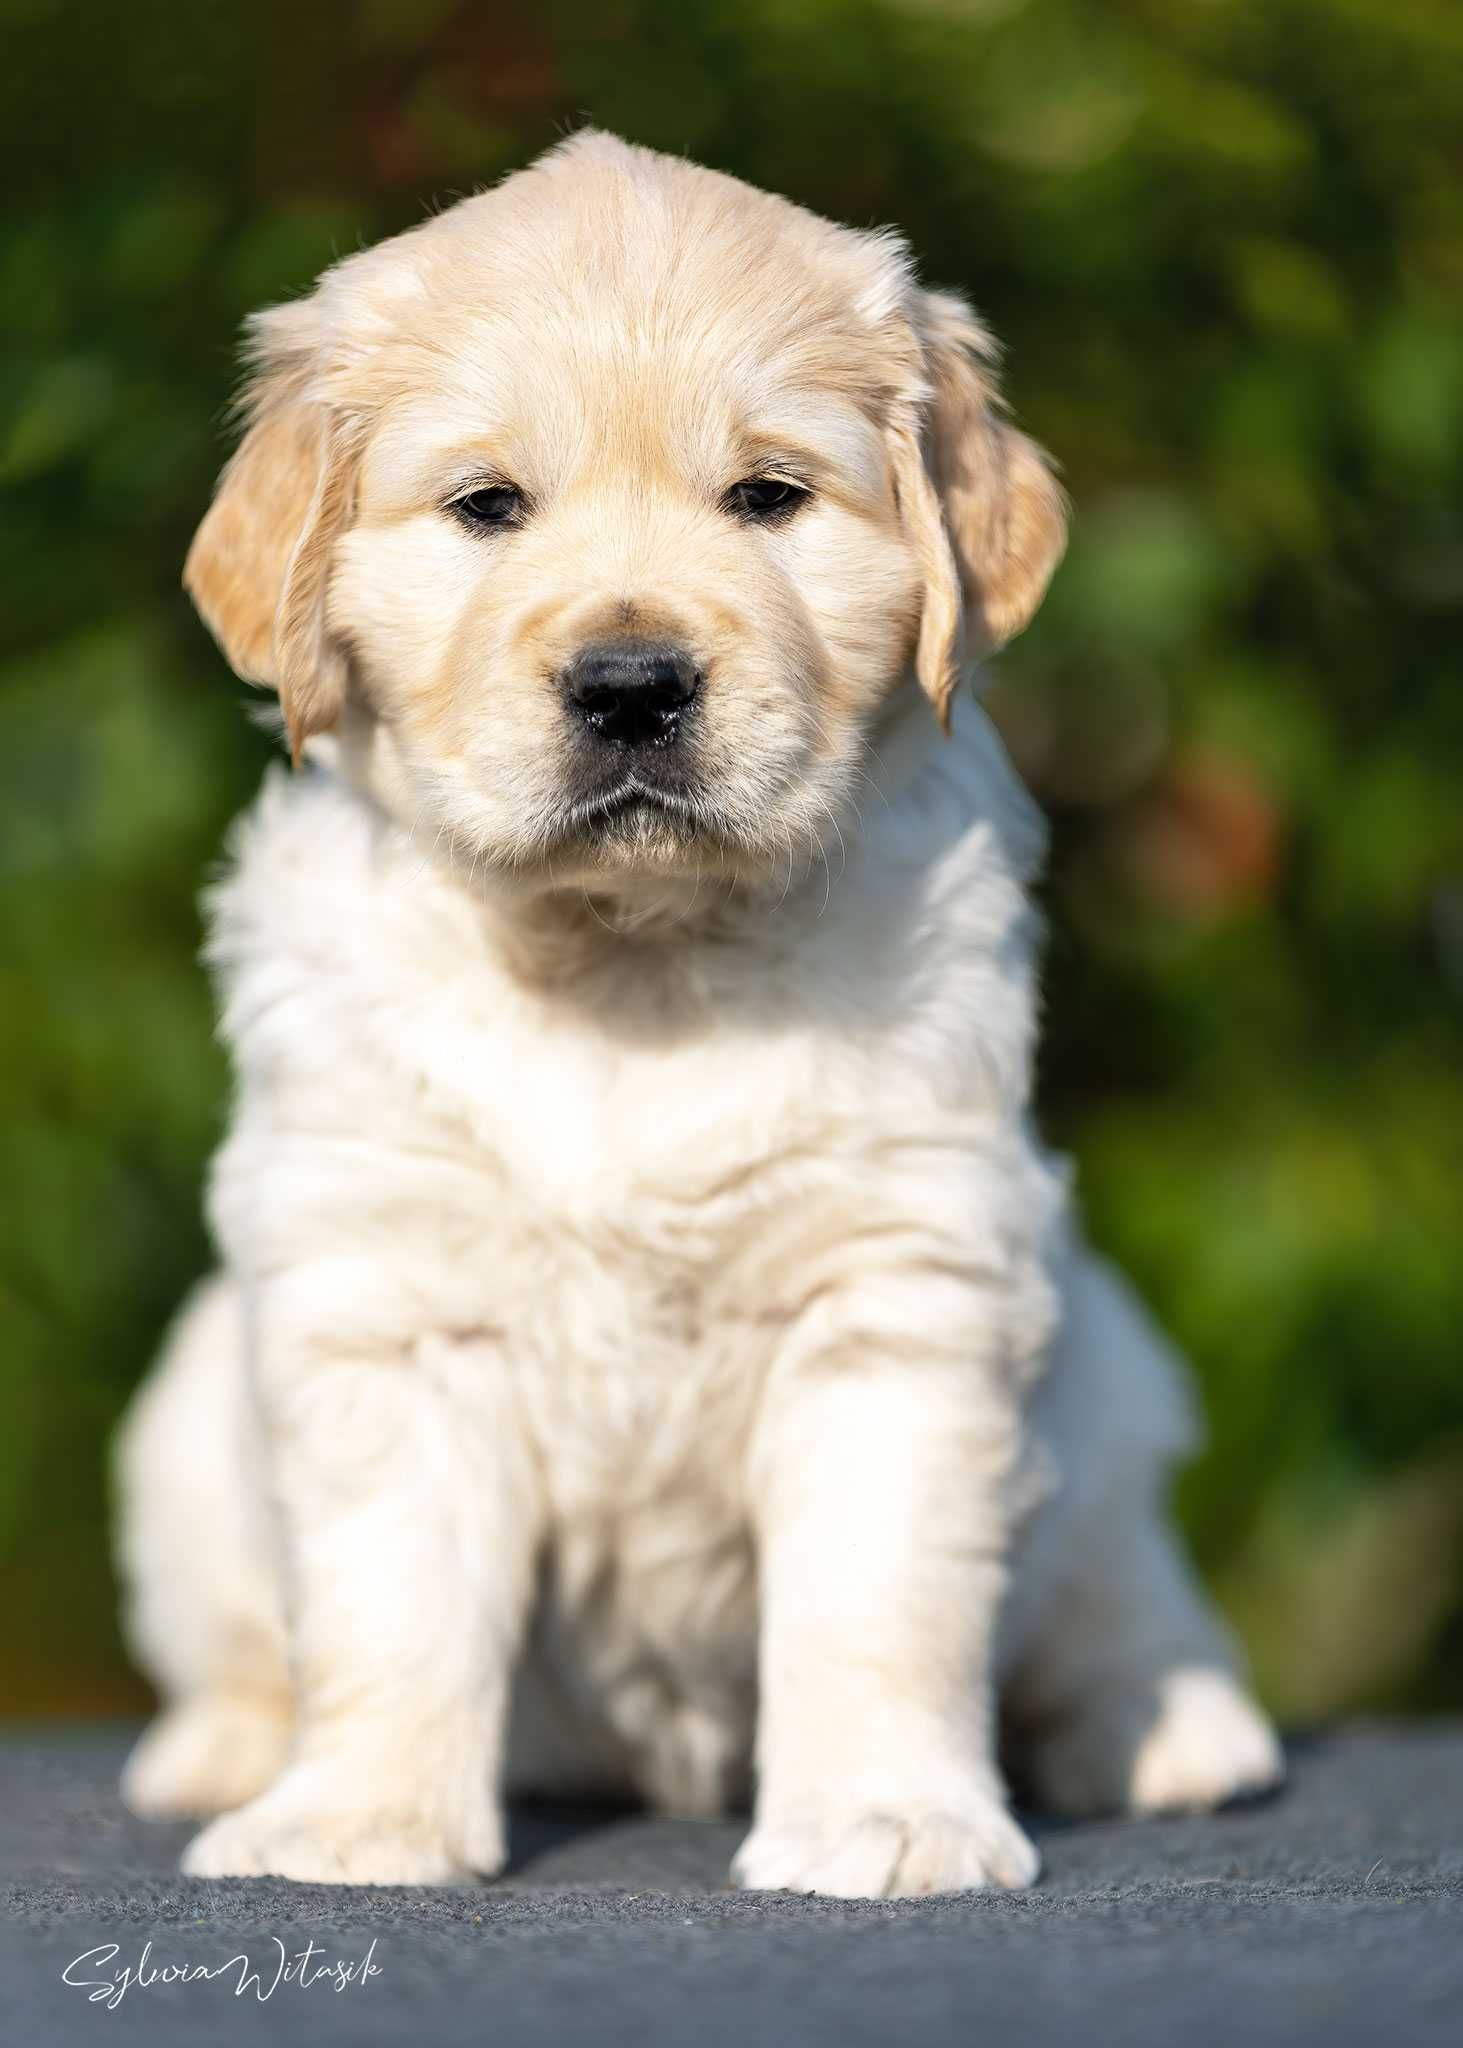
[[1224, 242]]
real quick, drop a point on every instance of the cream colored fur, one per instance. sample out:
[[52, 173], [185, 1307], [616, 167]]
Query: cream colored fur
[[652, 1352]]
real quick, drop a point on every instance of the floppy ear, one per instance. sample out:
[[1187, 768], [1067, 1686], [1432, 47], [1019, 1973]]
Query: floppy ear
[[260, 562], [979, 500]]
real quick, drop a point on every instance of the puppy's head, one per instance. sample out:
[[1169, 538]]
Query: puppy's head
[[620, 497]]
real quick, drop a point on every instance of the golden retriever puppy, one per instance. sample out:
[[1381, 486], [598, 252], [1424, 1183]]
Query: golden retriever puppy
[[652, 1352]]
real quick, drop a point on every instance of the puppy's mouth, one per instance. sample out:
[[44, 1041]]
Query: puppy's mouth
[[637, 812], [630, 799]]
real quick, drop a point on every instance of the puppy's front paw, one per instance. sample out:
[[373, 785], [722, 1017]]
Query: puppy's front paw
[[306, 1827], [904, 1851]]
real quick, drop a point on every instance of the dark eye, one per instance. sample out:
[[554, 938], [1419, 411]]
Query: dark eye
[[490, 505], [765, 498]]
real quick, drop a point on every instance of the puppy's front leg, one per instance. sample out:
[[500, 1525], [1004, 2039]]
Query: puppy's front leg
[[880, 1489], [409, 1524]]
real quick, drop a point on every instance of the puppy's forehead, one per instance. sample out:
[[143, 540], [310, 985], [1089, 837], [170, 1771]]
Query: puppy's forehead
[[662, 250], [608, 288]]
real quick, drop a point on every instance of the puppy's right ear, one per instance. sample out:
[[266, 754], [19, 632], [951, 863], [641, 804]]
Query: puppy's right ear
[[259, 566], [979, 499]]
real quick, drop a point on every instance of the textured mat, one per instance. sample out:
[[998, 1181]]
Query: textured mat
[[1332, 1914]]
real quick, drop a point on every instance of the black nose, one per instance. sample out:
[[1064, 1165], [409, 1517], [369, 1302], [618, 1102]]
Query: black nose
[[632, 693]]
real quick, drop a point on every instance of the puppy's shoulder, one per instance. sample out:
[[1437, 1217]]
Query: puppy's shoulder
[[295, 864], [949, 858], [324, 907], [963, 813], [941, 923]]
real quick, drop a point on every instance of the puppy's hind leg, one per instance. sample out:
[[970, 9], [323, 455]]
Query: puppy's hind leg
[[1134, 1703], [1128, 1696], [203, 1607]]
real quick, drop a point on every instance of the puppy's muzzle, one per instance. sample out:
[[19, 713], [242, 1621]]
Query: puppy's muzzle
[[632, 694]]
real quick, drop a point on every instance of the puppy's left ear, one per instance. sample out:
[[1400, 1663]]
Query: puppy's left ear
[[979, 500], [259, 565]]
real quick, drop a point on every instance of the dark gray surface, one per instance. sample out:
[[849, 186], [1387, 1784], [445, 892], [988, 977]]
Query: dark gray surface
[[1332, 1915]]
